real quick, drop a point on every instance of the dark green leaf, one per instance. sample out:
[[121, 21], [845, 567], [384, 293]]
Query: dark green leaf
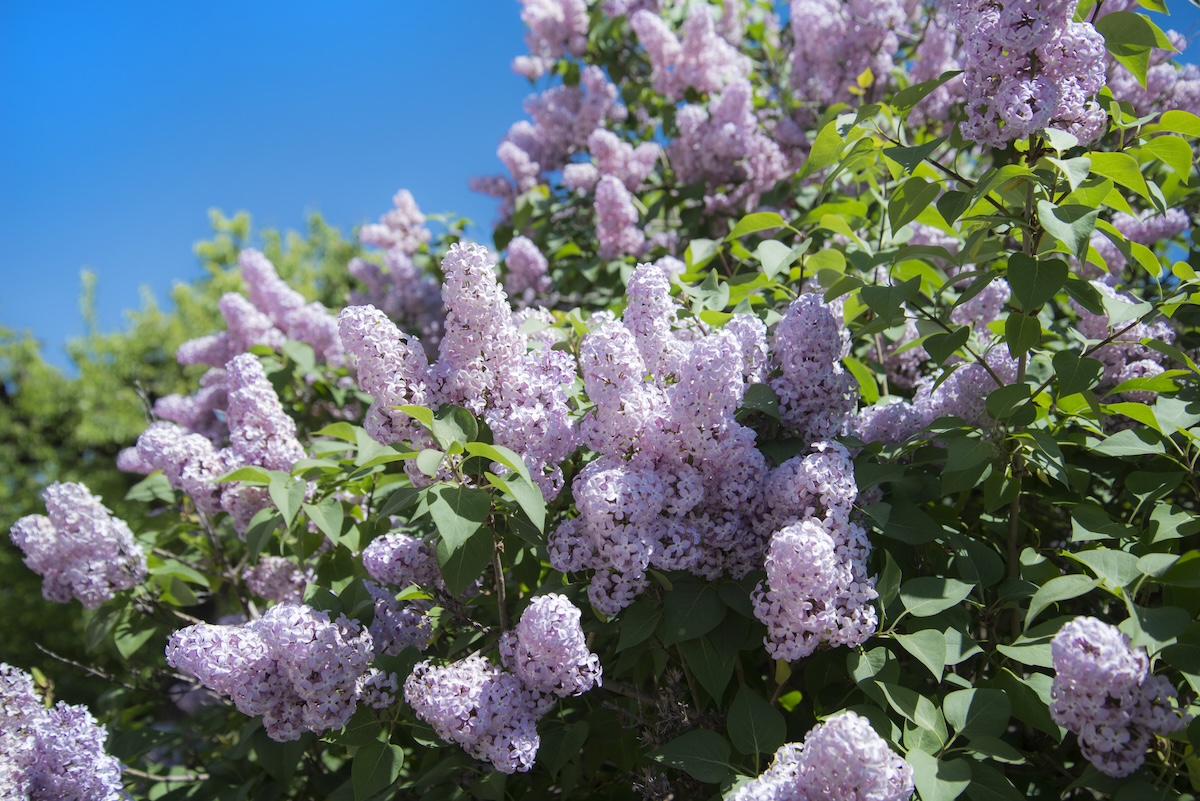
[[1035, 281], [453, 424], [1022, 332], [637, 623], [929, 647], [461, 567], [755, 727], [1061, 588], [711, 662], [977, 712], [691, 610], [457, 512], [1075, 373], [910, 199], [761, 398], [1072, 225], [941, 347], [989, 784], [376, 766], [702, 754], [910, 157], [287, 494], [1011, 401], [753, 223], [929, 595]]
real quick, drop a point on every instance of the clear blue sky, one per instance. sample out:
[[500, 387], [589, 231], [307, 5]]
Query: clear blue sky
[[122, 123]]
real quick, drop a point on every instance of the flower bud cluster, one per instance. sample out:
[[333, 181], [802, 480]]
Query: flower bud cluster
[[78, 548], [485, 364], [274, 313], [1103, 692], [841, 759], [293, 666], [54, 754], [493, 713], [1029, 67]]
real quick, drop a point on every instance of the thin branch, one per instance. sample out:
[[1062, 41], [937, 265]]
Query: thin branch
[[182, 777]]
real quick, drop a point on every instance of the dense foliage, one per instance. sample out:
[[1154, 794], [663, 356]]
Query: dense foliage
[[828, 428]]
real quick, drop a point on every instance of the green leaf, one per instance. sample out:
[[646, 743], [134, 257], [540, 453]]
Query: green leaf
[[989, 784], [1071, 225], [560, 746], [941, 347], [1120, 167], [711, 663], [910, 199], [1132, 442], [1173, 151], [939, 780], [1131, 38], [457, 512], [1075, 170], [1179, 121], [1075, 373], [761, 398], [1116, 568], [1011, 401], [977, 712], [910, 96], [498, 453], [462, 566], [904, 521], [915, 707], [429, 461], [910, 157], [637, 623], [700, 252], [422, 414], [154, 487], [340, 430], [953, 204], [928, 595], [887, 300], [453, 424], [1035, 281], [399, 500], [777, 258], [132, 633], [1030, 699], [826, 150], [287, 494], [1060, 588], [527, 495], [328, 516], [753, 223], [1022, 332], [262, 526], [929, 648], [755, 727], [691, 610], [702, 754], [376, 767]]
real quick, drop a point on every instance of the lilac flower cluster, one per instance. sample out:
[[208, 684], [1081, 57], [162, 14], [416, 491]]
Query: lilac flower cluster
[[485, 364], [528, 271], [819, 589], [402, 561], [616, 220], [293, 666], [964, 393], [841, 759], [547, 652], [260, 433], [78, 548], [938, 52], [837, 41], [203, 411], [679, 484], [1125, 357], [493, 713], [817, 396], [54, 754], [563, 117], [556, 28], [1029, 67], [402, 291], [277, 579], [725, 147], [275, 312], [699, 60], [1103, 692]]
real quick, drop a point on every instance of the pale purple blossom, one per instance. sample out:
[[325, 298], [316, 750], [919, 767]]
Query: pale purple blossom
[[616, 220], [79, 549], [277, 579], [402, 228]]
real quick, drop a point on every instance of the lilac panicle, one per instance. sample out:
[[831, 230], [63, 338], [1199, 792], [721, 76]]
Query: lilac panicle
[[51, 754], [80, 550], [260, 432], [546, 649]]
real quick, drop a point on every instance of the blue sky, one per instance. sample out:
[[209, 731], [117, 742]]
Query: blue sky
[[122, 123]]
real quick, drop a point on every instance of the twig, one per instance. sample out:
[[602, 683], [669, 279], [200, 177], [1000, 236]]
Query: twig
[[182, 777], [92, 671]]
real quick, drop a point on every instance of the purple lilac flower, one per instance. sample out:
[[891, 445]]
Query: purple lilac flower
[[409, 296], [277, 579], [398, 624], [201, 412], [293, 666], [260, 433], [1126, 347], [890, 421], [817, 397], [725, 147], [700, 60], [403, 561], [556, 28], [480, 707], [841, 759], [546, 649], [1029, 67], [616, 220], [287, 309], [189, 462], [630, 165], [79, 549], [402, 228], [54, 754], [528, 271], [1103, 692]]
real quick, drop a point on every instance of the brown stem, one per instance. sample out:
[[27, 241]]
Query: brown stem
[[183, 777]]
